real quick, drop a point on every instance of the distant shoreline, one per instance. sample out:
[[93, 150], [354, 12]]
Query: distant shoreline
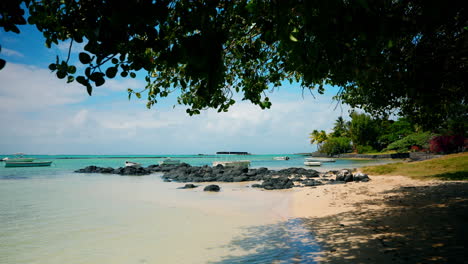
[[133, 157]]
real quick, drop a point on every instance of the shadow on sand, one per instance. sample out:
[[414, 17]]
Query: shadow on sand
[[284, 242], [427, 224]]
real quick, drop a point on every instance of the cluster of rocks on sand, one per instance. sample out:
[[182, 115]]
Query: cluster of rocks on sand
[[268, 179]]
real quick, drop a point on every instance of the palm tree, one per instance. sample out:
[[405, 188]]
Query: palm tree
[[318, 137], [341, 128]]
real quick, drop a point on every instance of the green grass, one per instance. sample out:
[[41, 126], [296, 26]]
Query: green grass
[[380, 153], [449, 167]]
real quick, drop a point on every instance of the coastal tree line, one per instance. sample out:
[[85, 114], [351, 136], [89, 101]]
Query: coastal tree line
[[366, 134], [406, 57]]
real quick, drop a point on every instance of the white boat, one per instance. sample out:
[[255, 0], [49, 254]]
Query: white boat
[[281, 158], [320, 159], [169, 161], [10, 163], [132, 164], [19, 157], [312, 163], [4, 159], [233, 163]]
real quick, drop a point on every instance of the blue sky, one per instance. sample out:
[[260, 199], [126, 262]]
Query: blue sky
[[41, 114]]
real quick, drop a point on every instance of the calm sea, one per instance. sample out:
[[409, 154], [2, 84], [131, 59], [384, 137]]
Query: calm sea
[[52, 215]]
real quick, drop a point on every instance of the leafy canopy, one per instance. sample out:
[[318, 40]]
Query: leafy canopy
[[336, 145], [384, 54]]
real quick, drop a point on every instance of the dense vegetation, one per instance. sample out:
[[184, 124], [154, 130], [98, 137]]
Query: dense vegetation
[[365, 134], [385, 55]]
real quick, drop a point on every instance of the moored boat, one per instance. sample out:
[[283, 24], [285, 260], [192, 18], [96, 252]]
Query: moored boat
[[320, 159], [312, 163], [10, 163], [19, 157], [233, 163], [281, 158], [132, 164]]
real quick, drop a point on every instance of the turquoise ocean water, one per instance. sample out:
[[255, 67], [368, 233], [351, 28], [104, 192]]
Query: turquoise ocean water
[[52, 215], [67, 163]]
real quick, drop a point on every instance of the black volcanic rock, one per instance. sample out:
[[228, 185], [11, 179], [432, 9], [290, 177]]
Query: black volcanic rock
[[277, 183], [212, 188], [188, 186], [271, 179]]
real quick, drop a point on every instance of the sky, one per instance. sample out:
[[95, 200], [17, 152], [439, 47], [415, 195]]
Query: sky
[[41, 114]]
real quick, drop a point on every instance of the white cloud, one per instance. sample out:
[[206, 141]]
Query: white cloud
[[12, 53], [65, 46], [42, 114], [123, 84], [28, 88]]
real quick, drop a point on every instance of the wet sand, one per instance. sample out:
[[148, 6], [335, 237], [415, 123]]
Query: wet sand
[[391, 219]]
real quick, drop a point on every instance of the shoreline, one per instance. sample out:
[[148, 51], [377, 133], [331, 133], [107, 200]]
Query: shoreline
[[389, 219], [386, 220]]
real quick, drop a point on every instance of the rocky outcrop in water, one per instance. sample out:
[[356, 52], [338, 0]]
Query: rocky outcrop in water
[[269, 179], [136, 171]]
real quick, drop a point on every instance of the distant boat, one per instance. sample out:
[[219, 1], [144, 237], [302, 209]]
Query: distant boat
[[169, 161], [132, 164], [312, 163], [320, 159], [281, 158], [19, 158], [232, 153], [10, 163], [233, 163]]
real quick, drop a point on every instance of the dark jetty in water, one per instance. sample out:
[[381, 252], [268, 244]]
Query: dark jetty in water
[[232, 153], [270, 179]]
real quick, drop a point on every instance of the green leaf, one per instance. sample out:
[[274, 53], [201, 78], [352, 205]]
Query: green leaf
[[130, 92], [84, 58], [89, 89], [82, 80], [111, 72], [124, 74], [61, 74], [292, 38], [14, 29], [71, 69], [115, 60], [132, 74], [390, 44], [138, 95], [97, 78], [70, 79], [100, 81], [2, 63]]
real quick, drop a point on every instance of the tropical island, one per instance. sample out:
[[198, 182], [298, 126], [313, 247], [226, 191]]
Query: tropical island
[[380, 136], [399, 67]]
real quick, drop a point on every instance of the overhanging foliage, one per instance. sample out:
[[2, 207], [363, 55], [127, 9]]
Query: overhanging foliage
[[384, 54]]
